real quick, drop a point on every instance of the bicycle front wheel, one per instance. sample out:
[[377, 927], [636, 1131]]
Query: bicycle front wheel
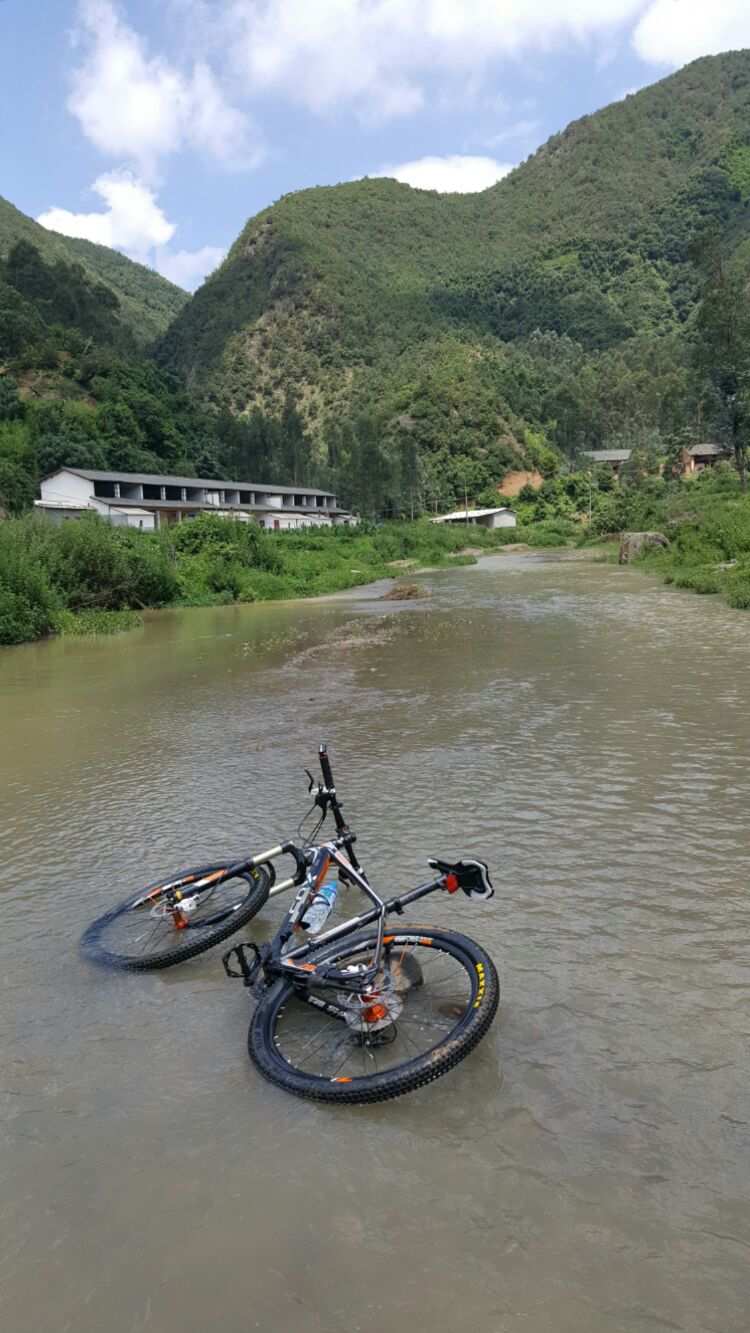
[[433, 1000], [177, 918]]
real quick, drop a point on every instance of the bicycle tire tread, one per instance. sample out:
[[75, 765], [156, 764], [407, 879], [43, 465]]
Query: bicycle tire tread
[[95, 952], [389, 1085]]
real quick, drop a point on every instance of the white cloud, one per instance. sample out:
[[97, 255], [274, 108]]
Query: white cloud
[[377, 54], [383, 59], [672, 32], [449, 175], [139, 107], [189, 268], [133, 221]]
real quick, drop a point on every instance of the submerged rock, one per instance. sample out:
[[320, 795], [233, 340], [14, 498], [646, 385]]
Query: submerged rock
[[633, 544], [404, 592]]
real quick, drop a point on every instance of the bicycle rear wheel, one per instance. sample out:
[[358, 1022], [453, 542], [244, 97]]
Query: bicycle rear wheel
[[432, 1002], [177, 918]]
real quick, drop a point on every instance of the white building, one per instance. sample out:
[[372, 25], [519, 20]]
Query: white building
[[485, 518], [141, 500]]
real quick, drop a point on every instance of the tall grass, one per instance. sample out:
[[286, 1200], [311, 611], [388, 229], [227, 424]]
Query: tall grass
[[72, 578]]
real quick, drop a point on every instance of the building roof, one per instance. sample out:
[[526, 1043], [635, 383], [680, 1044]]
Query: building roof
[[472, 513], [152, 479], [696, 450], [608, 455]]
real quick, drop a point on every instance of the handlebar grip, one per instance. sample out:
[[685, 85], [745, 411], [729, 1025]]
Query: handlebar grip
[[325, 766]]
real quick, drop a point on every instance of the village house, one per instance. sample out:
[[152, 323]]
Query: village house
[[612, 458], [700, 456], [484, 518], [147, 501]]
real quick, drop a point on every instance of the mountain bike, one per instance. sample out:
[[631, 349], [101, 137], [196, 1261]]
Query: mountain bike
[[355, 1014], [352, 1014]]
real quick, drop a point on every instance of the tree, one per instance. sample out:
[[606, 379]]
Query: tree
[[11, 407], [723, 349]]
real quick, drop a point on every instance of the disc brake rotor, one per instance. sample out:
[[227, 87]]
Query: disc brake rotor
[[375, 1010]]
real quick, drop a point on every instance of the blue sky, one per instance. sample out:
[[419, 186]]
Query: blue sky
[[160, 126]]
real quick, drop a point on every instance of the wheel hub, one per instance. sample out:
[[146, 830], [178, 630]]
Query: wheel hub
[[374, 1011]]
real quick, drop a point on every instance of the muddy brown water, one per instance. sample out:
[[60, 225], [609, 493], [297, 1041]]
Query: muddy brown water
[[586, 1170]]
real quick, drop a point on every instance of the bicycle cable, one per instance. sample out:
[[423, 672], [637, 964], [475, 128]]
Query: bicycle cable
[[305, 839]]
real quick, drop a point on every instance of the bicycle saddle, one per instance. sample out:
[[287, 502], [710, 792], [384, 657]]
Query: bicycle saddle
[[473, 876]]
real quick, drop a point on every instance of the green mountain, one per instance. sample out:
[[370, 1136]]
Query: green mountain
[[146, 301], [77, 389], [432, 341]]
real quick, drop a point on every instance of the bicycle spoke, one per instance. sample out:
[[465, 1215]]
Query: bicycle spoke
[[425, 988], [143, 931]]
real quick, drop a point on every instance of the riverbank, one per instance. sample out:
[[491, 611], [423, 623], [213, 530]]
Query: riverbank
[[707, 528], [87, 577]]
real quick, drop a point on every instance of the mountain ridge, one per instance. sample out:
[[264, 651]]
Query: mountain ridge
[[345, 297], [148, 302]]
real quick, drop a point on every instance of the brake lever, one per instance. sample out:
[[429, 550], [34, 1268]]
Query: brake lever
[[311, 782]]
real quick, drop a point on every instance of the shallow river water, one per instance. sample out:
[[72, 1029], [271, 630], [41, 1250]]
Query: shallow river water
[[586, 1169]]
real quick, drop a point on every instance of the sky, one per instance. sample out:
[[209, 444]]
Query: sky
[[159, 127]]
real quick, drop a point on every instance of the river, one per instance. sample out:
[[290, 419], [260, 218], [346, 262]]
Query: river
[[586, 1169]]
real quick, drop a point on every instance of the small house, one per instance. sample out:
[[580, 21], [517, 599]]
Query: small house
[[612, 458], [700, 456], [484, 518]]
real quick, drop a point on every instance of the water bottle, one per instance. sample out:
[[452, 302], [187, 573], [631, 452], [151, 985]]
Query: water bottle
[[322, 904]]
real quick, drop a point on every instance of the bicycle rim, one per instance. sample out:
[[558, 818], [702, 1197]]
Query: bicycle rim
[[145, 932], [434, 999]]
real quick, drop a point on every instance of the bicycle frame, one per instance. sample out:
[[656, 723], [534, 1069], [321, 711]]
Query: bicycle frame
[[272, 959], [275, 964], [289, 963]]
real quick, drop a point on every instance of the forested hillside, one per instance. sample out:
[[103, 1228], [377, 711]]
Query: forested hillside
[[430, 342], [147, 302], [76, 389], [406, 348]]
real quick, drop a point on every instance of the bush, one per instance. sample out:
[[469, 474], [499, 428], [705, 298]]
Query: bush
[[98, 566], [738, 588], [701, 578], [28, 603]]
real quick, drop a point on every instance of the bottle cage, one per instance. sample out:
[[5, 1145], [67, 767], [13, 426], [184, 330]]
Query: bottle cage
[[473, 876]]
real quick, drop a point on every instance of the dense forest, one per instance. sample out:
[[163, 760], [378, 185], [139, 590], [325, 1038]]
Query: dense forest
[[404, 347]]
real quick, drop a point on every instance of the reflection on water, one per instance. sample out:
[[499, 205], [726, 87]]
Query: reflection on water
[[586, 1170]]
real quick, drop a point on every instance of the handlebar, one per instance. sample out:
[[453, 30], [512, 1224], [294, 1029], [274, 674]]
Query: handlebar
[[325, 766], [326, 798]]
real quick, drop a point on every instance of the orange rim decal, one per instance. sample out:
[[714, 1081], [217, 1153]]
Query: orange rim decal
[[424, 939], [341, 1080]]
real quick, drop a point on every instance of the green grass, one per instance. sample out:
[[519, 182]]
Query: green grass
[[707, 522], [89, 578], [83, 624]]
